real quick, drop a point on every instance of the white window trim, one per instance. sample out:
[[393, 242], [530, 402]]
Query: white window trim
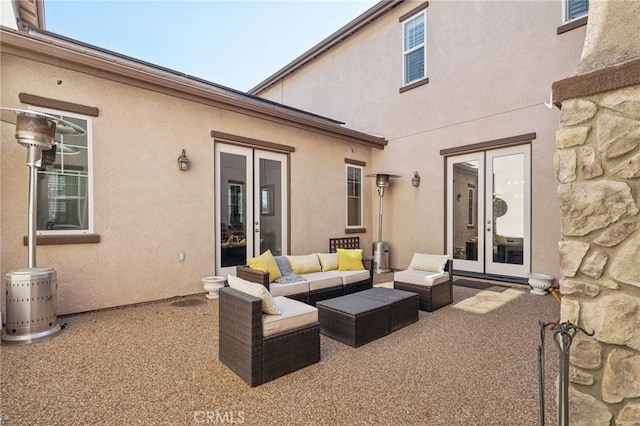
[[565, 14], [90, 172], [346, 219], [406, 52]]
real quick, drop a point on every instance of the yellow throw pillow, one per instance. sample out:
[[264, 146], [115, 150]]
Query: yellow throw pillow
[[265, 263], [350, 260], [328, 261], [304, 264]]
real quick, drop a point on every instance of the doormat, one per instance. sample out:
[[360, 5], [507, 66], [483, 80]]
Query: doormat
[[480, 285]]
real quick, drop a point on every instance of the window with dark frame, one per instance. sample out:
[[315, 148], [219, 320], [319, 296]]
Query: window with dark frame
[[64, 181], [414, 48], [354, 196], [574, 9]]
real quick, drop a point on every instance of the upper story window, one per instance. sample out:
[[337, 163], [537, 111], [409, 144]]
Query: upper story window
[[574, 9], [414, 48], [354, 196], [65, 179]]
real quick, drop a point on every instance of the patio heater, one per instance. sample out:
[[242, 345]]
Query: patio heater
[[31, 292], [381, 248]]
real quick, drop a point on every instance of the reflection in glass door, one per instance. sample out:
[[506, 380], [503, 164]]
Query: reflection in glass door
[[508, 211], [271, 195], [465, 202], [251, 214], [488, 200]]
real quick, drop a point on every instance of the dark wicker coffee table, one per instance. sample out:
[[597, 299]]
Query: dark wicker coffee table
[[403, 305], [362, 317]]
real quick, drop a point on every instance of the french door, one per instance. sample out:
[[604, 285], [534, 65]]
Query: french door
[[489, 211], [251, 205]]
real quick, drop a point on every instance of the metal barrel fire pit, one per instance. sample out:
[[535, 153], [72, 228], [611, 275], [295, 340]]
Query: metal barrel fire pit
[[31, 306]]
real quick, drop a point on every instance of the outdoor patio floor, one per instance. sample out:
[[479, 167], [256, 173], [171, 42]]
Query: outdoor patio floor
[[470, 363]]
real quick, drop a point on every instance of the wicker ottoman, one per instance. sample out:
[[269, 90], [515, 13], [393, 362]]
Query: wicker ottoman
[[353, 319], [403, 305]]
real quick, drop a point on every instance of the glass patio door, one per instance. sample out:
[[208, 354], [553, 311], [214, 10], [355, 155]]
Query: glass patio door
[[489, 205], [251, 197]]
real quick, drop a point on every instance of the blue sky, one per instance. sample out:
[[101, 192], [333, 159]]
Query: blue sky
[[234, 43]]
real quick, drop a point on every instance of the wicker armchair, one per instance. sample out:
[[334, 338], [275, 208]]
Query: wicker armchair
[[431, 296], [253, 357]]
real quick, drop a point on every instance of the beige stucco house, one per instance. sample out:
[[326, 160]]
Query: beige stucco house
[[117, 219], [275, 168], [462, 93]]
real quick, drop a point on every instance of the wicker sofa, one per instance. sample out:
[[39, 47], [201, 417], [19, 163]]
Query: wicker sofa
[[316, 286], [258, 353]]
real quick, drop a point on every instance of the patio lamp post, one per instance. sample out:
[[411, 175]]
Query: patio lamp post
[[381, 248]]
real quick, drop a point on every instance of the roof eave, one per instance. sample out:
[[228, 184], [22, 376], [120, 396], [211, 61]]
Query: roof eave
[[30, 46], [346, 31]]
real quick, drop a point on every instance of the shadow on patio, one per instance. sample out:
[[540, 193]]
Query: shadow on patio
[[472, 362]]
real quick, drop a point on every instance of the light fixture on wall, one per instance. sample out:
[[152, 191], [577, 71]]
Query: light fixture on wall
[[415, 180], [183, 161]]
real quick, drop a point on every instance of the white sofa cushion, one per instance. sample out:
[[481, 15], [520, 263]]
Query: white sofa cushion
[[350, 277], [320, 280], [428, 262], [328, 261], [414, 276], [293, 314], [304, 264], [257, 290], [288, 289]]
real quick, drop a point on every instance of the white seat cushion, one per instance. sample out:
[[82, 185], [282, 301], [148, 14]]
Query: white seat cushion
[[288, 289], [414, 276], [293, 314], [350, 277], [320, 280]]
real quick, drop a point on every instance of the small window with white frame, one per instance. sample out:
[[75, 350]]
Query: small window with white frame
[[354, 196], [575, 9], [414, 48], [65, 181]]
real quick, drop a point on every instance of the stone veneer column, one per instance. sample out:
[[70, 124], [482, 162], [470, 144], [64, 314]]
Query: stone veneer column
[[597, 162]]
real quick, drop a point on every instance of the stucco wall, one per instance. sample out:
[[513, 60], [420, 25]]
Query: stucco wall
[[490, 67], [145, 210]]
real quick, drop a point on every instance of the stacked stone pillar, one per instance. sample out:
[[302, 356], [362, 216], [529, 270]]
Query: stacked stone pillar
[[597, 163]]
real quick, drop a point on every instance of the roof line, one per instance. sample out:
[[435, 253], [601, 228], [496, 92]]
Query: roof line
[[174, 72], [85, 58], [346, 31]]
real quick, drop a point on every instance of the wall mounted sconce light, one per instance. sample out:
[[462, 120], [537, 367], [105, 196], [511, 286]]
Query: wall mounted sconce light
[[459, 197], [183, 161], [415, 180]]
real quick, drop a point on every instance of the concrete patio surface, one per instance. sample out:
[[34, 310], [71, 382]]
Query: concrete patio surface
[[157, 364]]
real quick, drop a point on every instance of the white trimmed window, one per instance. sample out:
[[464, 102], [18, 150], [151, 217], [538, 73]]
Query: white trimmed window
[[414, 48], [65, 181], [354, 196], [574, 9]]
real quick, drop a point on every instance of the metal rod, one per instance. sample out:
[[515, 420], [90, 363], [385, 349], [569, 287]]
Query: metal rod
[[541, 372], [34, 161], [381, 194]]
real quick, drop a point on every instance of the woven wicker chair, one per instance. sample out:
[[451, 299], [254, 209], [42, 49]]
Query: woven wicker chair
[[431, 297], [257, 359]]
